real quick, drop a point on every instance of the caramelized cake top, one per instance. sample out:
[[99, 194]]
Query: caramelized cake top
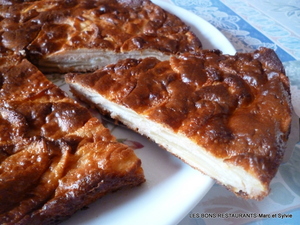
[[47, 27], [236, 107], [55, 157]]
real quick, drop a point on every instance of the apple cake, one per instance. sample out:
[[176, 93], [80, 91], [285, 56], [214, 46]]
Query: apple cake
[[227, 116], [55, 157]]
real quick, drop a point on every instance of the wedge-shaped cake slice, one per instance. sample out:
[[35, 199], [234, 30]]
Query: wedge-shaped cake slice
[[64, 36], [55, 158], [227, 116]]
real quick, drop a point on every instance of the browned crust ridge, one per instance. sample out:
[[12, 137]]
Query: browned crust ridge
[[237, 107], [55, 157]]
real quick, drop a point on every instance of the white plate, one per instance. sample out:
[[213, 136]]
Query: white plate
[[172, 188]]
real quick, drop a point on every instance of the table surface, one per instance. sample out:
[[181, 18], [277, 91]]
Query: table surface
[[250, 24]]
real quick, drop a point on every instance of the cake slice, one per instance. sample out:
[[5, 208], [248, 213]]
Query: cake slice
[[55, 158], [63, 36], [227, 116]]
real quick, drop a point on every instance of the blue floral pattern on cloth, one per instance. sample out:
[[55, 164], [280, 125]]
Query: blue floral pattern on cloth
[[293, 70], [290, 172], [251, 28]]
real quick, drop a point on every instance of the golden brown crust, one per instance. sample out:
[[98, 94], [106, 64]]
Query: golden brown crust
[[43, 127], [55, 157], [49, 27], [236, 107]]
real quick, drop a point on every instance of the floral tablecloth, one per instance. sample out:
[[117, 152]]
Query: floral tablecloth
[[249, 24]]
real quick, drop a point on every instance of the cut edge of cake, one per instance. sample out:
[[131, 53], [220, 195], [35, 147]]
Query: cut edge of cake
[[87, 60], [247, 183], [235, 179]]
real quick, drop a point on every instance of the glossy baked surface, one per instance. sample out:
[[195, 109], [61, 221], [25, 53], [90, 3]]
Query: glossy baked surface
[[236, 107], [45, 27], [55, 157]]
